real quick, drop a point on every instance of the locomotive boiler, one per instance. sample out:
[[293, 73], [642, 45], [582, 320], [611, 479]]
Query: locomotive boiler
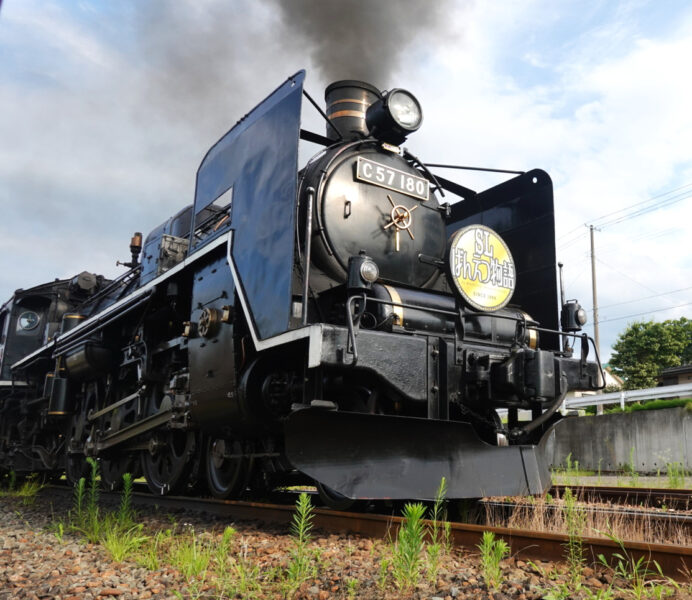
[[357, 323]]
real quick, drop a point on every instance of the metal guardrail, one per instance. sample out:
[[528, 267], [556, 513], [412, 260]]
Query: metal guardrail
[[623, 396]]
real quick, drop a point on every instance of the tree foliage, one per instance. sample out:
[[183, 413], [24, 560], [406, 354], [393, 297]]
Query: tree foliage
[[644, 349]]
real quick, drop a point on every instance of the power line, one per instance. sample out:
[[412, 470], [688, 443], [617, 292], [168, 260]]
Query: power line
[[574, 280], [564, 235], [646, 210], [647, 297], [656, 197], [569, 243], [672, 199], [619, 272], [644, 313], [615, 247]]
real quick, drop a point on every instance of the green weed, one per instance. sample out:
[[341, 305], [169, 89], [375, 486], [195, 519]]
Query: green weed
[[301, 566], [636, 574], [148, 557], [126, 515], [676, 474], [90, 524], [79, 496], [447, 537], [58, 529], [352, 588], [121, 542], [189, 555], [575, 520], [560, 591], [383, 574], [437, 545], [27, 491], [632, 468], [223, 548], [407, 552], [492, 553], [246, 580]]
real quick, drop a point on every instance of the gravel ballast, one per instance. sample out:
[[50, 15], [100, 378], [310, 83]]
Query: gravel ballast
[[36, 561]]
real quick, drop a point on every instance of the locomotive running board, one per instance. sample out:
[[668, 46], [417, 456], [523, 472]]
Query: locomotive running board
[[374, 456]]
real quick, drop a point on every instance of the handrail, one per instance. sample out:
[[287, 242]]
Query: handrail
[[623, 396]]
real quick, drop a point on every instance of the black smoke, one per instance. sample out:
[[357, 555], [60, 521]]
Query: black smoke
[[361, 39], [201, 61]]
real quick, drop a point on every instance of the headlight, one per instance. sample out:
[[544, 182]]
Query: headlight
[[405, 109], [362, 272], [581, 316], [572, 316], [369, 271], [394, 116]]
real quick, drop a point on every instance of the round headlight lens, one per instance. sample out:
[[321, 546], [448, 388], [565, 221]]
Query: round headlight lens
[[369, 271], [581, 316], [28, 320], [405, 109]]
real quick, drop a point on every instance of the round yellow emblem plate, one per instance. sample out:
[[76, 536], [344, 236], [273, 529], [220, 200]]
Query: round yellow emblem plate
[[481, 267]]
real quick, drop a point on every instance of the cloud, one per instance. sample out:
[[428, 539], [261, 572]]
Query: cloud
[[612, 128]]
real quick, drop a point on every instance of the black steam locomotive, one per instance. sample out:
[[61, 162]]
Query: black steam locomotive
[[340, 324]]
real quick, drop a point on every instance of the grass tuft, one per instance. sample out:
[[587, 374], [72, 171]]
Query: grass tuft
[[575, 520], [492, 553], [676, 473], [407, 552], [301, 567], [126, 514], [437, 534], [27, 491]]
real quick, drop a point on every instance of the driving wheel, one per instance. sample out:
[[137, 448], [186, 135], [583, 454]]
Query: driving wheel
[[114, 464], [167, 462], [227, 473], [78, 432], [113, 468]]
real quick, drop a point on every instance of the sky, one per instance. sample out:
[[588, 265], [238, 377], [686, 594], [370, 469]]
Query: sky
[[107, 108]]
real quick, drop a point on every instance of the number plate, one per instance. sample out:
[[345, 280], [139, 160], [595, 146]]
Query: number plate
[[392, 179]]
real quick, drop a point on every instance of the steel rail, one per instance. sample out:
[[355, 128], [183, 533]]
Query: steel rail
[[667, 520], [678, 499], [675, 561]]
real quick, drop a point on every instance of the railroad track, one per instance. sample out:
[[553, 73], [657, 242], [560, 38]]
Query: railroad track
[[666, 524], [654, 497], [675, 561]]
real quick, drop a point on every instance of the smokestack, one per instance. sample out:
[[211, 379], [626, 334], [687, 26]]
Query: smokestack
[[347, 102]]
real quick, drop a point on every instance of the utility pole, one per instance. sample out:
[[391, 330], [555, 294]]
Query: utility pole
[[599, 409]]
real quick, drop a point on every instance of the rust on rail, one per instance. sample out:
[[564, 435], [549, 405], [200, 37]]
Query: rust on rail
[[671, 498], [675, 561]]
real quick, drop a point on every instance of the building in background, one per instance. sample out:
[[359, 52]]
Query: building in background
[[676, 375]]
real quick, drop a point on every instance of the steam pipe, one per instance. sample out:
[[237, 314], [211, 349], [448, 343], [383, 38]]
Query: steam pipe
[[515, 433]]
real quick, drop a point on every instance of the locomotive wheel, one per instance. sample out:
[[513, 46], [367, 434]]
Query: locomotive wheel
[[76, 465], [113, 469], [332, 499], [168, 461], [115, 464], [226, 477]]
